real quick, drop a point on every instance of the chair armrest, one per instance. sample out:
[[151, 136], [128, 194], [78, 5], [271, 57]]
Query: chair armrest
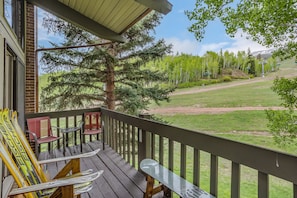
[[83, 155], [7, 183], [57, 183], [33, 134]]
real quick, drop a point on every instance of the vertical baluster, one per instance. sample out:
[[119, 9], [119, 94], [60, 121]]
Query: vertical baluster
[[124, 141], [67, 135], [294, 190], [106, 129], [114, 131], [120, 138], [75, 133], [183, 161], [153, 140], [117, 131], [214, 175], [109, 135], [170, 155], [196, 166], [161, 150], [133, 146], [263, 185], [129, 143], [58, 132], [115, 134], [235, 180]]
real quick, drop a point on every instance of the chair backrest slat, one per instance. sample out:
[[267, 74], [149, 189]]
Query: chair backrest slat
[[92, 120], [41, 126]]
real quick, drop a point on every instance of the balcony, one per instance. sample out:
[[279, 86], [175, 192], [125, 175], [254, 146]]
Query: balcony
[[215, 164]]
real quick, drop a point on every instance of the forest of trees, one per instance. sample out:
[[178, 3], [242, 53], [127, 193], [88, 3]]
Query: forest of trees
[[186, 70]]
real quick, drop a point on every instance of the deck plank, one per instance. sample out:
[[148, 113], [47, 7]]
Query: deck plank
[[101, 186], [125, 181], [118, 180], [135, 176]]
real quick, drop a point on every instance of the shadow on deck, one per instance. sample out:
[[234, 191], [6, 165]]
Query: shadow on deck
[[119, 178]]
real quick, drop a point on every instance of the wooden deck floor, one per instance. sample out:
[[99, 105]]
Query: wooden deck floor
[[118, 180]]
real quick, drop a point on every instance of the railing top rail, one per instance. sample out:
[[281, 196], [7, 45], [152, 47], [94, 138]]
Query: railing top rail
[[58, 114], [268, 161]]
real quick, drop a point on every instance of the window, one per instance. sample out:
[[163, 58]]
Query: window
[[14, 14], [9, 78]]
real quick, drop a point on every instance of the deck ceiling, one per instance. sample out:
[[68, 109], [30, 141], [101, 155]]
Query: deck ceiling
[[107, 19]]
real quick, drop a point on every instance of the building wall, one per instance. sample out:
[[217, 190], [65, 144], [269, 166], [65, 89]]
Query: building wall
[[12, 66], [30, 102]]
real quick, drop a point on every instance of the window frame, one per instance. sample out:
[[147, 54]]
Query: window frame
[[17, 21]]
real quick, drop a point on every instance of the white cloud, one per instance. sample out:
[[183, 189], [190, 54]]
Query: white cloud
[[186, 46], [215, 47], [238, 43]]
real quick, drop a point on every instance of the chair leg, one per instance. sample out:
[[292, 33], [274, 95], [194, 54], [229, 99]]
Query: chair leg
[[37, 149], [81, 141], [150, 189], [65, 191]]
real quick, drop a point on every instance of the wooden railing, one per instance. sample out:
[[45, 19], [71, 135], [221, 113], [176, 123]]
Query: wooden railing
[[190, 153], [180, 150]]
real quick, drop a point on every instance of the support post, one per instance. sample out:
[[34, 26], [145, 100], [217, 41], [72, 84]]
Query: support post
[[144, 142]]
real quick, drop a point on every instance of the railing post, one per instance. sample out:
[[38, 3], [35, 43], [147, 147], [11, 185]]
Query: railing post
[[144, 142]]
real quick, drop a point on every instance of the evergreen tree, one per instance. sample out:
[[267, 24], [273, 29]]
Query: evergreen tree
[[221, 62], [251, 63], [112, 74]]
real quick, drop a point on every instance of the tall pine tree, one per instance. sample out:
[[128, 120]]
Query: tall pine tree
[[113, 74]]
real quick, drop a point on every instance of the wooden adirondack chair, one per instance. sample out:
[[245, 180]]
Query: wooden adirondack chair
[[40, 131], [30, 178], [92, 125]]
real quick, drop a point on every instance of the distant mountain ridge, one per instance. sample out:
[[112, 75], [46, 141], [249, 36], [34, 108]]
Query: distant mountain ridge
[[264, 53]]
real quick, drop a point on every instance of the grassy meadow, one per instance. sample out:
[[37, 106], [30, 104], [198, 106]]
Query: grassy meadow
[[235, 125]]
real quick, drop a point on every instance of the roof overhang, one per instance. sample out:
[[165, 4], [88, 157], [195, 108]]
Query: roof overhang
[[107, 19]]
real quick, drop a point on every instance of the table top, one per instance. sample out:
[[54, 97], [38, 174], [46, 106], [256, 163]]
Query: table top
[[174, 182], [70, 129]]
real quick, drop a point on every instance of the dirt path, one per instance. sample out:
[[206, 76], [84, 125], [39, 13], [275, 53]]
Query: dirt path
[[272, 76], [219, 86], [198, 110]]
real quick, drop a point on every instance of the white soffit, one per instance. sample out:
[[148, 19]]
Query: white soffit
[[107, 19]]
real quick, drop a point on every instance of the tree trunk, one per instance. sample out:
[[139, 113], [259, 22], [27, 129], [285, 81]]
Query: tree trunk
[[110, 78], [110, 95]]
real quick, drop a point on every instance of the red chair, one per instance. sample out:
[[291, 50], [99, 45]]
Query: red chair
[[92, 124], [40, 131]]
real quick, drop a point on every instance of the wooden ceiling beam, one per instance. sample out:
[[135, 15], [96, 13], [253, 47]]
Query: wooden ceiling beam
[[64, 12], [162, 6]]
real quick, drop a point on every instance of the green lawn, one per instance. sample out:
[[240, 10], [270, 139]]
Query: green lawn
[[251, 95], [222, 122]]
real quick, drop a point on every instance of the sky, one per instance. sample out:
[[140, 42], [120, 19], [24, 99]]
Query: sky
[[174, 29]]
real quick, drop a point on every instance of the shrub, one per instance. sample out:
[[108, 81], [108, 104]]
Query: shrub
[[226, 79]]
